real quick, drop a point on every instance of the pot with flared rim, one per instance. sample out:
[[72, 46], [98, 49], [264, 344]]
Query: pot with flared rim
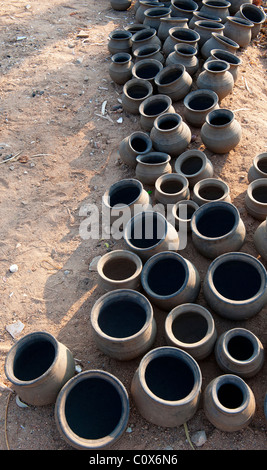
[[194, 165], [144, 37], [217, 7], [216, 77], [205, 28], [143, 5], [174, 81], [147, 69], [120, 69], [134, 92], [256, 199], [254, 14], [218, 41], [180, 35], [170, 188], [210, 189], [221, 132], [258, 168], [170, 22], [153, 16], [120, 5], [120, 40], [119, 269], [198, 15], [152, 165], [186, 55], [239, 30], [183, 8], [198, 104], [152, 107], [137, 143], [228, 57], [152, 51], [170, 134], [182, 213]]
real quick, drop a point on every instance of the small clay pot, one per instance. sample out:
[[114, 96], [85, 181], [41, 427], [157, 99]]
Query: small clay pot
[[218, 41], [194, 166], [229, 403], [92, 410], [166, 387], [137, 143], [216, 7], [153, 16], [153, 107], [38, 366], [191, 327], [217, 228], [119, 269], [254, 14], [256, 199], [174, 81], [238, 351], [221, 132], [199, 15], [144, 5], [147, 69], [183, 8], [120, 5], [135, 91], [235, 286], [170, 22], [182, 213], [216, 77], [211, 189], [152, 51], [260, 239], [186, 55], [120, 69], [123, 324], [145, 37], [152, 165], [170, 134], [258, 168], [120, 40], [198, 104], [239, 30], [205, 28], [233, 61], [171, 188], [178, 35]]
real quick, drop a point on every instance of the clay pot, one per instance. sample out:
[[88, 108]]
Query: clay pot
[[148, 233], [236, 4], [186, 55], [92, 410], [198, 104], [216, 7], [254, 14], [194, 166], [153, 107], [182, 213], [169, 280], [171, 188], [256, 199], [183, 8], [191, 327], [174, 81], [199, 15], [38, 366], [235, 286], [166, 387], [260, 239], [123, 324], [229, 403], [135, 27], [168, 23], [149, 52], [144, 5], [145, 37], [217, 41], [170, 134], [210, 189], [178, 35], [135, 91], [153, 16], [221, 132], [217, 228], [137, 143], [205, 28], [120, 40], [119, 269], [147, 69], [120, 5], [149, 167], [120, 69], [228, 57], [216, 77], [239, 30], [258, 168], [238, 351]]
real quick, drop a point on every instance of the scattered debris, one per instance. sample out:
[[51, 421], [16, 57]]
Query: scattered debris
[[13, 268], [14, 329], [199, 438], [20, 403], [93, 264]]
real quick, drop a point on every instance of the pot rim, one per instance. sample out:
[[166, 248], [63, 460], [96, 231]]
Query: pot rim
[[220, 111], [176, 117], [207, 16], [164, 11], [235, 380], [213, 182], [202, 91], [123, 32], [155, 48], [128, 57], [213, 24], [256, 9], [171, 176], [240, 21], [137, 81], [165, 71], [120, 254], [127, 230], [174, 19], [159, 96], [223, 63], [151, 31], [139, 158], [256, 160], [210, 3], [193, 4], [225, 40], [148, 62], [130, 181], [188, 202], [181, 45], [229, 54], [176, 29], [233, 332], [254, 184]]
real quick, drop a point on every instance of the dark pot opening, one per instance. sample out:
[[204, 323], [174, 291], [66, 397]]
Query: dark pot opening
[[211, 192], [171, 187], [137, 91], [121, 318], [170, 76], [191, 165], [139, 144], [189, 327], [216, 3], [167, 123], [119, 269], [166, 276], [220, 120], [148, 232], [252, 14], [227, 40], [121, 59], [147, 71], [260, 194], [93, 408], [216, 66], [200, 103], [154, 108], [189, 5], [124, 195], [186, 50], [185, 35], [157, 12], [207, 24], [215, 222], [230, 395], [262, 165], [189, 211], [153, 159], [231, 59], [240, 348], [121, 35], [33, 359], [147, 50], [144, 34]]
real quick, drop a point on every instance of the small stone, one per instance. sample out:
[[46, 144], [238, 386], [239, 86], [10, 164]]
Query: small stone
[[13, 268], [199, 438], [14, 329], [129, 430]]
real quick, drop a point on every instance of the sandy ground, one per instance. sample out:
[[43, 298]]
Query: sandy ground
[[53, 84]]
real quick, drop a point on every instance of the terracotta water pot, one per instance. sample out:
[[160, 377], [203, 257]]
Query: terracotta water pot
[[170, 134], [137, 143], [218, 41], [38, 366], [123, 324], [216, 7], [238, 351], [171, 188], [260, 239], [170, 22], [205, 28], [152, 16], [149, 167], [149, 233], [229, 403], [191, 327], [135, 91], [120, 40], [182, 213], [120, 5], [194, 166], [92, 410], [153, 107], [186, 55], [198, 104], [152, 51], [169, 279], [258, 168], [144, 5], [254, 14], [228, 57], [256, 199], [120, 69], [119, 269], [216, 77], [178, 35], [183, 8], [147, 69], [199, 15], [217, 228], [145, 37], [221, 132], [166, 387], [174, 81], [239, 30], [235, 286], [211, 189]]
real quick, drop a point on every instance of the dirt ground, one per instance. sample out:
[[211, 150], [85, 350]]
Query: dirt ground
[[53, 85]]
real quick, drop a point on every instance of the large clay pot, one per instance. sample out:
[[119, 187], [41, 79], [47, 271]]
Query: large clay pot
[[216, 7], [199, 15], [256, 199], [147, 69], [120, 5], [144, 5], [170, 22], [216, 77], [238, 351], [152, 51], [228, 57], [149, 233], [183, 8], [92, 410], [120, 40], [153, 107], [166, 387], [145, 37], [210, 189], [171, 188], [235, 286], [221, 132], [258, 168], [137, 143], [191, 327], [186, 55], [178, 35], [229, 403], [135, 91], [239, 30], [153, 16], [169, 279], [149, 167], [123, 324], [182, 213], [38, 366], [119, 269], [174, 81], [198, 104], [260, 239], [120, 69], [194, 166], [170, 134], [217, 41], [205, 28], [217, 228], [254, 14]]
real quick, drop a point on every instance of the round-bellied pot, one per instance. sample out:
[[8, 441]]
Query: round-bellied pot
[[153, 107], [169, 279], [199, 15], [117, 334], [153, 16], [194, 166], [166, 387], [216, 7], [174, 81], [235, 286], [145, 37], [258, 168], [119, 269], [218, 41], [135, 91], [170, 134], [183, 8], [221, 132], [137, 143], [186, 55], [217, 228], [256, 199], [254, 14], [228, 57], [147, 69], [239, 30], [198, 104], [229, 403], [260, 239], [171, 188], [152, 51], [149, 233], [205, 28], [216, 77], [182, 213], [120, 69], [120, 5], [167, 23], [38, 366], [144, 5], [211, 189], [92, 410], [178, 35], [149, 167], [191, 327], [120, 40], [238, 351]]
